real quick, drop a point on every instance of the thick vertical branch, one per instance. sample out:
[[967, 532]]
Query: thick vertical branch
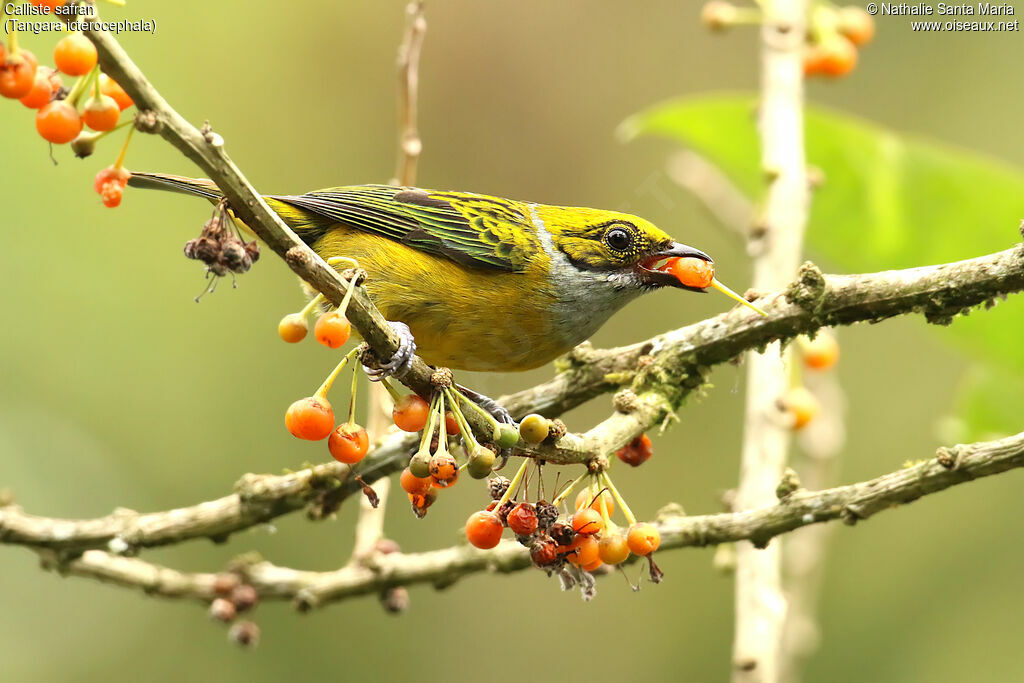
[[760, 604]]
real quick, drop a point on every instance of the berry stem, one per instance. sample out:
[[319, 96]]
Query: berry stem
[[514, 484], [733, 295], [308, 308], [428, 431], [395, 396], [618, 499], [467, 432], [483, 413], [124, 149], [442, 426], [326, 386], [569, 489], [352, 396], [348, 296]]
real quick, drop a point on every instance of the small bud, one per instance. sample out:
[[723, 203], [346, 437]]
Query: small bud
[[223, 609], [224, 583], [244, 597], [395, 600], [245, 633]]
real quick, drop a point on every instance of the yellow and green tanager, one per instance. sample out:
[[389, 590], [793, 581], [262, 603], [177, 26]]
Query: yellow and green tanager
[[483, 283]]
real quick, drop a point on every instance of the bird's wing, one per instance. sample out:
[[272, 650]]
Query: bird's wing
[[474, 230]]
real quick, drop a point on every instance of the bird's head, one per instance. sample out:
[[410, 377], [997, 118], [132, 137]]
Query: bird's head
[[626, 247]]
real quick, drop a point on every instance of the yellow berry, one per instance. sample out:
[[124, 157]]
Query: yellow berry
[[534, 428], [293, 328]]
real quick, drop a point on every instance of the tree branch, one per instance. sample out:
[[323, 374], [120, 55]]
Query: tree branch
[[658, 373], [307, 589]]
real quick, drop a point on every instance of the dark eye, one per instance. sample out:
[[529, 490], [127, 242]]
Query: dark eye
[[619, 239]]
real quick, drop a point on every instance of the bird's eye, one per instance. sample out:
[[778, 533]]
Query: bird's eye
[[619, 239]]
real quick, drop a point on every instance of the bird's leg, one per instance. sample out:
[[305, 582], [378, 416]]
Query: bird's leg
[[488, 404], [399, 363]]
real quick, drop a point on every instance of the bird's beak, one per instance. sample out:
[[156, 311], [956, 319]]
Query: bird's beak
[[651, 275]]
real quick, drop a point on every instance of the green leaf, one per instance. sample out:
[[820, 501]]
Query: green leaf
[[888, 201]]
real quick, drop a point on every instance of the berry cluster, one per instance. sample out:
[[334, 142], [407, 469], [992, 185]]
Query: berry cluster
[[833, 33], [220, 245], [94, 100], [587, 539]]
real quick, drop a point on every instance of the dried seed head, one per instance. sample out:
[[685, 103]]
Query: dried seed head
[[497, 486], [547, 514]]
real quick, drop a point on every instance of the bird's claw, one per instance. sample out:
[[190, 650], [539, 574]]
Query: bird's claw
[[497, 410], [401, 361]]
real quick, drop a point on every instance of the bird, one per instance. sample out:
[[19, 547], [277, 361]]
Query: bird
[[471, 281]]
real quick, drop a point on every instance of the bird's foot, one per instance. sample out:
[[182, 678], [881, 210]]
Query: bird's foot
[[489, 404], [400, 362]]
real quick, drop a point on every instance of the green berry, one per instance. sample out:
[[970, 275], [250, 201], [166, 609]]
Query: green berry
[[480, 464], [534, 428], [506, 436], [419, 465]]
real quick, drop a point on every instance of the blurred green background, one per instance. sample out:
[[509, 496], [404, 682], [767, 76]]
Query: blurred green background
[[118, 390]]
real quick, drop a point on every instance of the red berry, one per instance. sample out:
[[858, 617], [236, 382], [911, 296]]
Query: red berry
[[410, 413], [332, 329], [75, 55], [58, 122], [544, 552], [17, 75], [348, 443], [42, 91], [636, 452], [587, 522], [108, 86], [444, 470], [101, 113], [451, 425], [522, 519], [293, 328], [483, 529], [310, 418], [643, 538], [110, 174], [836, 56], [692, 271], [585, 551], [414, 485]]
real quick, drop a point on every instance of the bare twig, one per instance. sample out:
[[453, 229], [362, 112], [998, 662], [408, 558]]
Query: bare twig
[[409, 144], [716, 193], [852, 503], [760, 604]]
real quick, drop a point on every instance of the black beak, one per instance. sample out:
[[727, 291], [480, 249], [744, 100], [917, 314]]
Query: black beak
[[662, 279]]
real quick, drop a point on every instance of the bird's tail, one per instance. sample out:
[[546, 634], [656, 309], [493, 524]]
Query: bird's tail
[[201, 187]]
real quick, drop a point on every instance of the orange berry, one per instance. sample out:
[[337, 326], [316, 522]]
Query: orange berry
[[101, 113], [692, 271], [18, 75], [592, 566], [544, 552], [293, 328], [583, 551], [837, 56], [310, 418], [348, 443], [451, 425], [587, 522], [801, 404], [483, 529], [636, 452], [444, 470], [410, 413], [111, 195], [58, 122], [110, 184], [856, 24], [522, 519], [421, 501], [414, 485], [586, 498], [108, 86], [613, 548], [332, 329], [75, 55], [643, 538], [41, 92], [820, 353]]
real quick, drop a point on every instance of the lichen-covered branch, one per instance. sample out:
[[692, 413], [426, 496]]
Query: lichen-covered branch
[[798, 508], [652, 378]]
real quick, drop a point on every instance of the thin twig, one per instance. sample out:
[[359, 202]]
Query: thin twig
[[707, 183], [410, 146]]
